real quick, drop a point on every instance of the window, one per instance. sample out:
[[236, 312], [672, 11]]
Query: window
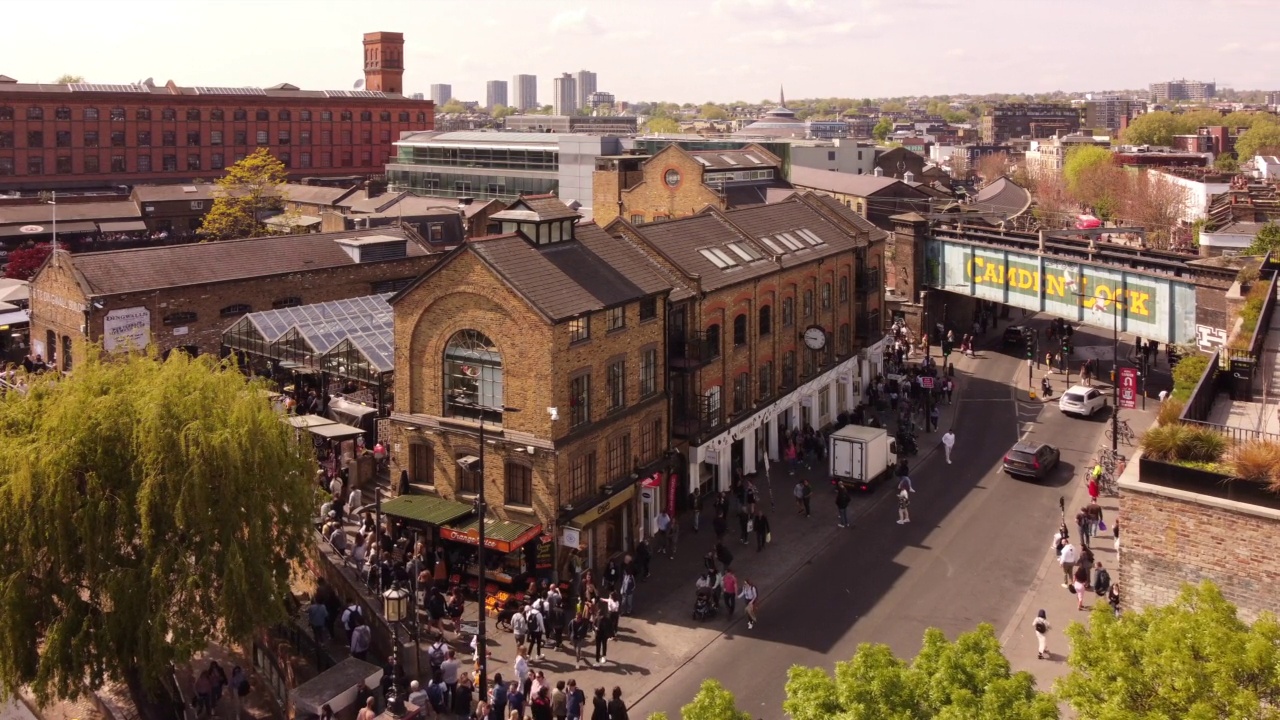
[[618, 457], [404, 117], [385, 136], [831, 156], [580, 400], [844, 289], [843, 339], [91, 163], [435, 232], [6, 140], [648, 372], [144, 163], [648, 309], [37, 113], [579, 329], [806, 363], [91, 139], [824, 405], [118, 164], [193, 138], [216, 162], [235, 310], [473, 377], [326, 159], [615, 318], [193, 161], [241, 137], [261, 137], [346, 162], [366, 137], [285, 159], [262, 115], [345, 136], [117, 114], [826, 296], [62, 138], [286, 302], [649, 434], [766, 320], [144, 138], [66, 352], [168, 138], [169, 163], [519, 484], [788, 312], [806, 307], [168, 114], [63, 164], [616, 384], [304, 115], [422, 464], [365, 116], [35, 165], [766, 379], [240, 114], [90, 114], [142, 113], [326, 115], [468, 475], [179, 318], [282, 137], [217, 115], [6, 112], [326, 137], [422, 117], [366, 158], [740, 330], [304, 137], [713, 342], [35, 139], [215, 137], [346, 115], [304, 160], [789, 369], [284, 115], [713, 407], [582, 477], [6, 166], [741, 392]]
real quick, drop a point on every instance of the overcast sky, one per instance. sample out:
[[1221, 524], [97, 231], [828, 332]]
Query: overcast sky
[[676, 50]]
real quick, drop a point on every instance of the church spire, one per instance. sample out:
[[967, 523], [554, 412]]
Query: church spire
[[782, 97]]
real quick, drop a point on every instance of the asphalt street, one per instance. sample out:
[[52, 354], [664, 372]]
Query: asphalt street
[[973, 547]]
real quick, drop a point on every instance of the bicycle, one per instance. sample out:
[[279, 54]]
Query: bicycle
[[1125, 432]]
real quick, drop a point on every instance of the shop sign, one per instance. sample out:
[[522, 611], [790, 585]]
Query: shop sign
[[711, 457], [604, 508], [671, 494], [126, 328], [472, 537], [653, 481], [571, 537], [1128, 388], [545, 560]]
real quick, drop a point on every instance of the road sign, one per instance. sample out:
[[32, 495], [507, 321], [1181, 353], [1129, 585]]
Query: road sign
[[926, 382], [1129, 388]]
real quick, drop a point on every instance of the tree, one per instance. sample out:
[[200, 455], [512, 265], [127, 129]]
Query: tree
[[1193, 659], [250, 188], [1266, 241], [711, 111], [1053, 203], [68, 79], [1226, 162], [661, 125], [1094, 180], [882, 129], [454, 106], [1261, 139], [1155, 203], [500, 111], [969, 679], [991, 167], [25, 261], [713, 702], [1153, 128], [165, 510]]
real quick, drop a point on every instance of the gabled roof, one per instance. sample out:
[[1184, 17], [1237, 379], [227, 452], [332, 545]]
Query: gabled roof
[[169, 193], [152, 268], [833, 207], [844, 183], [69, 211], [316, 194], [544, 207]]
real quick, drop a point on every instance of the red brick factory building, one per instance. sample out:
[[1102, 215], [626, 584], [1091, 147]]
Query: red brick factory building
[[90, 135]]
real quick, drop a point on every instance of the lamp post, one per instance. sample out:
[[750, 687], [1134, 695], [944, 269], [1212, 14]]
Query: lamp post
[[395, 606]]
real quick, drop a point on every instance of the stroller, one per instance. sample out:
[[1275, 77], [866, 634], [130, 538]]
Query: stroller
[[703, 608]]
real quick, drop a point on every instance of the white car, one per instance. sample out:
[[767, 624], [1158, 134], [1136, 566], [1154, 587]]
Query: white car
[[1082, 400]]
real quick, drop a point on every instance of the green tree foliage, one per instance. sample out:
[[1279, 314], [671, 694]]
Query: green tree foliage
[[1261, 139], [500, 111], [250, 188], [1193, 659], [1093, 179], [661, 125], [968, 679], [711, 111], [165, 508], [1153, 128], [453, 106], [882, 129], [1266, 241], [713, 702], [1226, 162], [68, 79]]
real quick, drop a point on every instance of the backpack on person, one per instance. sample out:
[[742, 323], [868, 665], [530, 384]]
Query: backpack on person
[[352, 617], [1102, 582], [1041, 625]]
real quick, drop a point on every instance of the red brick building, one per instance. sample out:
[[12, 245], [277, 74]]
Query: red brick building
[[91, 135]]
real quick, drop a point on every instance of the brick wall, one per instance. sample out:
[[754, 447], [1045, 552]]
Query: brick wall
[[654, 198], [1170, 537]]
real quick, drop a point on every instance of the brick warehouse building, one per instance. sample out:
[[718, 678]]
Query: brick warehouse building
[[567, 326], [93, 135], [185, 296]]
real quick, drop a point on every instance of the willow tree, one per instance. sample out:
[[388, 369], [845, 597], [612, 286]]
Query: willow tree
[[147, 508]]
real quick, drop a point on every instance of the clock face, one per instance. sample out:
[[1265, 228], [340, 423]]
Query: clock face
[[815, 338], [672, 177]]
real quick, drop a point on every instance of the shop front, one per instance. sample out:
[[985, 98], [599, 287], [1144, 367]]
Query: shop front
[[591, 538], [511, 553]]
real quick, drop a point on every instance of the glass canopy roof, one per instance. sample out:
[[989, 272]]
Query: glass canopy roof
[[361, 325]]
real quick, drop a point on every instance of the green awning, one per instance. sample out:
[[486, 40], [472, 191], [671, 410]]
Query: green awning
[[427, 509]]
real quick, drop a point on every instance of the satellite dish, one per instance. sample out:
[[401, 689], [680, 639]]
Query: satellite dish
[[359, 84]]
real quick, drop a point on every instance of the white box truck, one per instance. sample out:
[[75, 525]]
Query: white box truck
[[861, 456]]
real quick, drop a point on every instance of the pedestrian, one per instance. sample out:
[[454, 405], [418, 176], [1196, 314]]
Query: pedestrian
[[806, 494], [1113, 595], [599, 706], [450, 670], [723, 555], [204, 694], [628, 592], [540, 705], [698, 498], [842, 505], [537, 629], [318, 618], [749, 596], [904, 502], [575, 701], [1067, 559], [642, 560], [516, 694], [1082, 526], [497, 698], [578, 628], [603, 632], [948, 442], [744, 524], [798, 493], [1041, 625], [361, 639], [1101, 580], [1094, 512], [239, 690], [935, 416], [520, 626], [729, 585], [1084, 374], [1080, 582], [761, 522], [660, 537], [719, 525], [617, 708], [559, 701]]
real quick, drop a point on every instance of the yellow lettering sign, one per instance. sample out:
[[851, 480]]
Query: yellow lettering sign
[[985, 271]]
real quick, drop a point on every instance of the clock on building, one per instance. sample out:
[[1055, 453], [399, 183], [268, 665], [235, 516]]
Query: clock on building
[[815, 338]]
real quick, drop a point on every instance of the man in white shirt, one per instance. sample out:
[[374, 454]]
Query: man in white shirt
[[417, 696], [664, 525], [948, 442], [1067, 559], [354, 501]]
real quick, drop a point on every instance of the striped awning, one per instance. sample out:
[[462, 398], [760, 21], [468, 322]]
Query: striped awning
[[426, 509]]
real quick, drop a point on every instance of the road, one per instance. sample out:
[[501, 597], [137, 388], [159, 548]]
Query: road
[[974, 545]]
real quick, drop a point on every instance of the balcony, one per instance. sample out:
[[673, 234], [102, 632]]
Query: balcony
[[867, 281], [690, 352], [697, 416]]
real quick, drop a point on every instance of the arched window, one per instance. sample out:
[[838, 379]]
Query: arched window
[[766, 320], [66, 352], [713, 342], [711, 408], [740, 330], [473, 377]]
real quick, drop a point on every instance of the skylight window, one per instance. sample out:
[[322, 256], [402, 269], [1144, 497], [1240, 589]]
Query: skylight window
[[809, 236], [724, 257], [769, 243], [754, 159], [790, 241], [746, 252], [705, 162], [728, 159], [719, 258]]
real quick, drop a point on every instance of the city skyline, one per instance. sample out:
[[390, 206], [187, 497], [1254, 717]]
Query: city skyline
[[741, 49]]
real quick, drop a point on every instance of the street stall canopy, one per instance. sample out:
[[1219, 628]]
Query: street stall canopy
[[426, 509], [122, 226], [12, 290], [501, 535], [335, 431], [308, 421]]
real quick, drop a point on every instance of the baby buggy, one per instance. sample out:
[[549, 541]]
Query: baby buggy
[[703, 608]]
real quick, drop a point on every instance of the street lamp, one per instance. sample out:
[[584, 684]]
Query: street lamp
[[395, 606], [477, 466], [1116, 303], [51, 198]]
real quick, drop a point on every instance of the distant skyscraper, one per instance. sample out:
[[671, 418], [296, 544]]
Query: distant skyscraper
[[441, 93], [524, 92], [586, 85], [564, 94], [495, 93]]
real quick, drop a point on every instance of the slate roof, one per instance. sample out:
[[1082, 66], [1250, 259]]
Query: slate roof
[[315, 194], [69, 211], [838, 182], [131, 91], [1003, 196], [846, 213], [547, 207], [749, 158], [152, 268], [169, 193], [566, 279]]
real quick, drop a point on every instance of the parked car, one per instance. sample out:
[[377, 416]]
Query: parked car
[[1031, 459], [1082, 400], [1017, 335]]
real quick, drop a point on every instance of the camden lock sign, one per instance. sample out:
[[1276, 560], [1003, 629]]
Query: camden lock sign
[[1068, 284]]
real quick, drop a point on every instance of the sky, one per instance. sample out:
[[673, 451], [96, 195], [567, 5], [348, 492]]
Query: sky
[[644, 50]]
